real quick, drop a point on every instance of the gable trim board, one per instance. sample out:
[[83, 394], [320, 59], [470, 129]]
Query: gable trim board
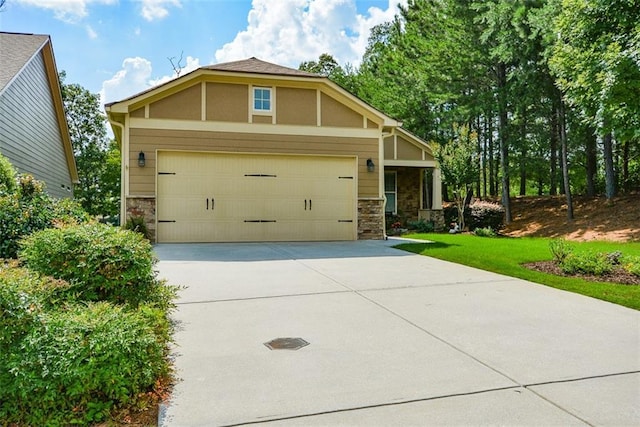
[[207, 120]]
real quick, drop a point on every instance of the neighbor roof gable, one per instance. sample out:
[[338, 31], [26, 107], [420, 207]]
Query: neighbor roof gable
[[16, 52]]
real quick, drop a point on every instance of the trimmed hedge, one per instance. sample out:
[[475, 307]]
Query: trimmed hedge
[[483, 214], [77, 365], [24, 296], [102, 262]]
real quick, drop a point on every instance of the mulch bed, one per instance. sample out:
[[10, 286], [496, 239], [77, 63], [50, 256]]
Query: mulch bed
[[618, 276]]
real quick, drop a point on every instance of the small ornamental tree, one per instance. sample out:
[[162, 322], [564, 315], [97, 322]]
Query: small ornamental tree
[[458, 160]]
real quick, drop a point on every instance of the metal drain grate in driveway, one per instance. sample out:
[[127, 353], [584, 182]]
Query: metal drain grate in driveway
[[286, 344]]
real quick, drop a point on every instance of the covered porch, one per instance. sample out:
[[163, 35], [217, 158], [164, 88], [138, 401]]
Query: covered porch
[[412, 181]]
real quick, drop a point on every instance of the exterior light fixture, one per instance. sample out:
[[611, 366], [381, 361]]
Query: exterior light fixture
[[370, 165], [141, 160]]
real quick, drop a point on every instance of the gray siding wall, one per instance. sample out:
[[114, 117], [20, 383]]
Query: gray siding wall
[[29, 133]]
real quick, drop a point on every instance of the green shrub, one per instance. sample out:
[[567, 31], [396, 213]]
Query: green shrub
[[77, 365], [103, 263], [7, 177], [485, 232], [137, 224], [24, 296], [483, 214], [586, 263], [30, 209], [422, 226], [631, 263], [68, 211], [560, 249]]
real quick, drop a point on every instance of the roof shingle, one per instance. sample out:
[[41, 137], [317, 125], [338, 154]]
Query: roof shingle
[[257, 66], [15, 51]]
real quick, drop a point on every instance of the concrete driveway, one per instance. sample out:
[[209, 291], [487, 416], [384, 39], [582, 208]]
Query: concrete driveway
[[394, 339]]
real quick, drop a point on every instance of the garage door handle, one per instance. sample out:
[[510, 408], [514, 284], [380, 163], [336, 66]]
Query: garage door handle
[[309, 204], [305, 204], [207, 204], [213, 203]]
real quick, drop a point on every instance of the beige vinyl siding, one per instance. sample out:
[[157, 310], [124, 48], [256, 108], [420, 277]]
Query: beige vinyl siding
[[139, 113], [227, 102], [371, 124], [296, 106], [149, 140], [339, 115], [259, 118], [389, 148], [183, 105], [29, 131], [408, 151]]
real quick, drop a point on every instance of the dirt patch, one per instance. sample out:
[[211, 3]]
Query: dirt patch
[[619, 275], [594, 218]]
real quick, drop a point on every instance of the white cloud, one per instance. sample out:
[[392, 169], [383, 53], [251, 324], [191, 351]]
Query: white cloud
[[66, 10], [91, 32], [131, 79], [288, 32], [157, 9], [136, 76]]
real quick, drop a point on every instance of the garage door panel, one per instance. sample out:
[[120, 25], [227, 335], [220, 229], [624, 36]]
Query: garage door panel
[[240, 197]]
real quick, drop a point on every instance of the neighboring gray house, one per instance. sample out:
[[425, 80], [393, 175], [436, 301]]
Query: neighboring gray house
[[33, 128]]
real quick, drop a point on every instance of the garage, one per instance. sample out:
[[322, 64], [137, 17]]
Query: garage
[[230, 197]]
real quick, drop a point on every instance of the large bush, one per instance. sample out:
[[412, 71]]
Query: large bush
[[7, 177], [24, 296], [483, 214], [102, 263], [75, 366], [30, 209]]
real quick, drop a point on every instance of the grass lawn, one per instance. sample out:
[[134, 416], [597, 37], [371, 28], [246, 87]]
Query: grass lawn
[[505, 255]]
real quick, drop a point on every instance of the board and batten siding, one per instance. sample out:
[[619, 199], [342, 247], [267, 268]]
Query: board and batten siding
[[142, 180], [29, 132]]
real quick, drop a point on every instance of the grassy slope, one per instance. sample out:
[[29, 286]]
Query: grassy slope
[[505, 256]]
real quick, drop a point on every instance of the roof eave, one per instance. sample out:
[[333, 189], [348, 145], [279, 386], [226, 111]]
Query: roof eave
[[56, 94]]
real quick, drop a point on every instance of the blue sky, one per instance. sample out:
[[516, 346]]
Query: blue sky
[[120, 47]]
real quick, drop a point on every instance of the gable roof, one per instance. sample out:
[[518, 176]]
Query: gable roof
[[16, 51], [254, 65], [249, 67]]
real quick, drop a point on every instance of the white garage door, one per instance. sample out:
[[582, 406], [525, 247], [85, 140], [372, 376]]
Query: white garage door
[[205, 197]]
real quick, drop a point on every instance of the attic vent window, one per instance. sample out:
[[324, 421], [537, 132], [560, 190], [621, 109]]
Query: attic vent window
[[262, 99]]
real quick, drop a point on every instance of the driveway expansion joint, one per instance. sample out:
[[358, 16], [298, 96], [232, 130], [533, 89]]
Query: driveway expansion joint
[[364, 407]]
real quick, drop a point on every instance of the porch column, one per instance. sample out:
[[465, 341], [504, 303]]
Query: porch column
[[437, 189]]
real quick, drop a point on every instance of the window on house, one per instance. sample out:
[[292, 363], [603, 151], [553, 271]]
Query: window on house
[[261, 99], [390, 192]]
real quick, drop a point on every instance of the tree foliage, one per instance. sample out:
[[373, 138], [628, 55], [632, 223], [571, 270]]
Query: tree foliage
[[551, 88], [458, 162], [97, 158]]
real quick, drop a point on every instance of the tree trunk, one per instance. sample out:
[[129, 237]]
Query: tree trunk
[[492, 164], [591, 166], [523, 153], [625, 166], [565, 164], [609, 176], [553, 150], [504, 142], [479, 148], [484, 157]]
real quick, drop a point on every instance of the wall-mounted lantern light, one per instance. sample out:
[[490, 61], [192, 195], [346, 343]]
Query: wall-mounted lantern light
[[370, 165], [141, 160]]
